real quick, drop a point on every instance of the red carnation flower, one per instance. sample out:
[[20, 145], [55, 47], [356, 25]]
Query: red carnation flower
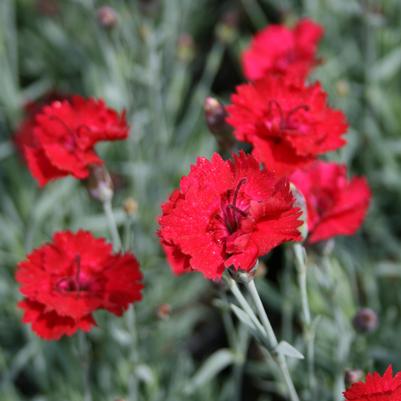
[[287, 123], [335, 205], [226, 213], [279, 50], [376, 388], [64, 136], [65, 281]]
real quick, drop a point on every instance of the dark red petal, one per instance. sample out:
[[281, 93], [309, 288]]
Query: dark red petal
[[41, 167], [179, 262], [50, 325], [123, 283]]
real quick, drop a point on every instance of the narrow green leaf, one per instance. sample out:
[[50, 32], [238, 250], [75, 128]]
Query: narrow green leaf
[[287, 349], [211, 367]]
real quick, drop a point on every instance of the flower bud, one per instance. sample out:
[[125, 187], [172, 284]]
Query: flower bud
[[100, 184], [300, 202], [185, 48], [342, 88], [164, 311], [215, 115], [130, 206], [227, 28], [365, 320], [352, 376], [107, 17]]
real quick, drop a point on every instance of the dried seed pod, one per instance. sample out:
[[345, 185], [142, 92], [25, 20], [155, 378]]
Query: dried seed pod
[[164, 311], [130, 206], [342, 88], [185, 48], [228, 27]]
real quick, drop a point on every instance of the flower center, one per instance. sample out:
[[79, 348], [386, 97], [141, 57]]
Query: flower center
[[70, 141], [78, 282], [231, 212], [280, 120]]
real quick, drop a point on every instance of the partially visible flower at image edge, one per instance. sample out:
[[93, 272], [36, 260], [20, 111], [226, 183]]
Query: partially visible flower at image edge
[[376, 388], [65, 281], [64, 134], [336, 205], [226, 214], [288, 123], [283, 51]]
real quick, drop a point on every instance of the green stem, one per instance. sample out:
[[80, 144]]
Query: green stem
[[134, 358], [128, 234], [238, 373], [301, 270], [255, 13], [228, 322], [238, 342], [108, 211], [130, 314], [300, 256], [345, 340], [244, 304], [84, 356], [282, 363]]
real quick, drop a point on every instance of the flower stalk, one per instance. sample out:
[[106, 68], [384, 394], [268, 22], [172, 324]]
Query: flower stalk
[[281, 360], [111, 221], [130, 207], [300, 256], [84, 355], [263, 327]]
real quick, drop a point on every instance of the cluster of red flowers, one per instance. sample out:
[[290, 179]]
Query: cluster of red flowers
[[376, 388], [290, 124], [65, 281], [226, 214]]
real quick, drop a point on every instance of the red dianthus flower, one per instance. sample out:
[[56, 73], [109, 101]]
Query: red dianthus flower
[[279, 50], [226, 213], [64, 136], [287, 123], [376, 388], [335, 205], [65, 281]]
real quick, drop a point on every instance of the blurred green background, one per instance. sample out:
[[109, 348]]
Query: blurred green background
[[159, 61]]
